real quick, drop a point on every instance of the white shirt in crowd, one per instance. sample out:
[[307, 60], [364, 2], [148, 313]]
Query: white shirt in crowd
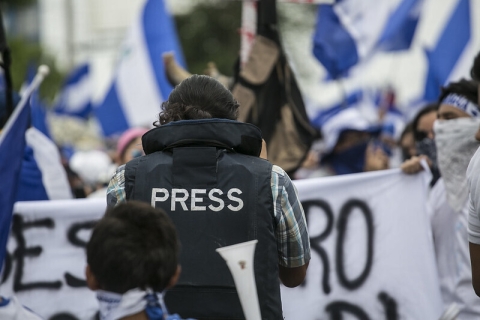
[[450, 235], [473, 178]]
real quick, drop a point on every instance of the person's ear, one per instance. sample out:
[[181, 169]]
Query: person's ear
[[92, 282], [175, 277]]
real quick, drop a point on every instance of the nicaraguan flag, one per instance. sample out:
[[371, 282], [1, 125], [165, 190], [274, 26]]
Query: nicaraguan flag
[[42, 175], [449, 51], [76, 96], [322, 116], [351, 30], [140, 85], [12, 145], [39, 114]]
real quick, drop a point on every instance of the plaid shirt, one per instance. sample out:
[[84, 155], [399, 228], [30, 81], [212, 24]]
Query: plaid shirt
[[293, 242]]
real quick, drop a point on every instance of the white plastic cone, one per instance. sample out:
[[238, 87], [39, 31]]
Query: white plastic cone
[[239, 258]]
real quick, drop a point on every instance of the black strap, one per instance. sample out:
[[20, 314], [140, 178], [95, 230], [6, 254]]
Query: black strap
[[197, 142]]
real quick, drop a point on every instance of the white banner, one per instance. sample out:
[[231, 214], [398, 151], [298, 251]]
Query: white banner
[[372, 255], [45, 267], [372, 251]]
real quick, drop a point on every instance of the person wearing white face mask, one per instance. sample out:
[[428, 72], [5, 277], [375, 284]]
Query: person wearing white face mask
[[473, 178], [454, 131]]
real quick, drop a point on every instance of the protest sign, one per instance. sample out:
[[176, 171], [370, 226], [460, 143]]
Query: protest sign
[[372, 251], [45, 264]]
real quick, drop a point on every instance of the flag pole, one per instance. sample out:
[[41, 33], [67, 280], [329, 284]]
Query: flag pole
[[42, 72]]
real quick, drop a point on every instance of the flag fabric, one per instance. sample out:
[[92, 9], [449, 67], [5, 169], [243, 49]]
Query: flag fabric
[[449, 50], [362, 110], [321, 117], [42, 175], [350, 31], [39, 115], [140, 84], [269, 97], [76, 96], [12, 145]]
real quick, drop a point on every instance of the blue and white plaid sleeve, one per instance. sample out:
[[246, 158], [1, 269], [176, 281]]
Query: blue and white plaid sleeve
[[116, 188], [293, 242]]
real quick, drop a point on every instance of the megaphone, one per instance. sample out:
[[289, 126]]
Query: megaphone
[[239, 258]]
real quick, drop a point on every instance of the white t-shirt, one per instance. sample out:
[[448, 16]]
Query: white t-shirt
[[473, 182], [442, 219], [11, 309], [453, 258]]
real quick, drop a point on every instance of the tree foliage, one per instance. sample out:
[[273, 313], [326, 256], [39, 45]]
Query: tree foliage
[[25, 54], [16, 3], [211, 33]]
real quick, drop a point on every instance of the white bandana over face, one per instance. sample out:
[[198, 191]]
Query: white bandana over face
[[456, 144], [115, 306]]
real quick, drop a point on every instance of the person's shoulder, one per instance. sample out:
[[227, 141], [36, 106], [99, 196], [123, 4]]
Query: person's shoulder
[[280, 178], [276, 170]]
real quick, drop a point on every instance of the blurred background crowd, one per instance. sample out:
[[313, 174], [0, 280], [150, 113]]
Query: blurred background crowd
[[364, 114]]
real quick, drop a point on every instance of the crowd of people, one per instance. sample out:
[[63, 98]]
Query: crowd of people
[[200, 168]]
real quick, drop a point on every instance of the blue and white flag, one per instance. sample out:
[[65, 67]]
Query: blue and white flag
[[352, 30], [76, 96], [449, 51], [42, 175], [39, 115], [140, 84], [12, 145]]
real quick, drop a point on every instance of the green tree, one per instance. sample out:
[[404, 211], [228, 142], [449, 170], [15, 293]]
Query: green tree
[[210, 32], [16, 3], [24, 54]]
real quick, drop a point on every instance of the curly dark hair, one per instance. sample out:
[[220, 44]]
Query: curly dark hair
[[133, 246], [198, 97]]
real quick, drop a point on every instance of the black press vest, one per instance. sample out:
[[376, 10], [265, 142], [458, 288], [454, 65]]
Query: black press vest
[[207, 176]]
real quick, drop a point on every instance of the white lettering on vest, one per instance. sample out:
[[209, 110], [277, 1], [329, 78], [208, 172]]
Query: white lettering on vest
[[232, 198], [182, 200], [155, 198], [197, 198], [221, 204], [194, 200]]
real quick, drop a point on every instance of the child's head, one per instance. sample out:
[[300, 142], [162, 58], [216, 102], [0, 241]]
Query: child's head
[[133, 246]]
